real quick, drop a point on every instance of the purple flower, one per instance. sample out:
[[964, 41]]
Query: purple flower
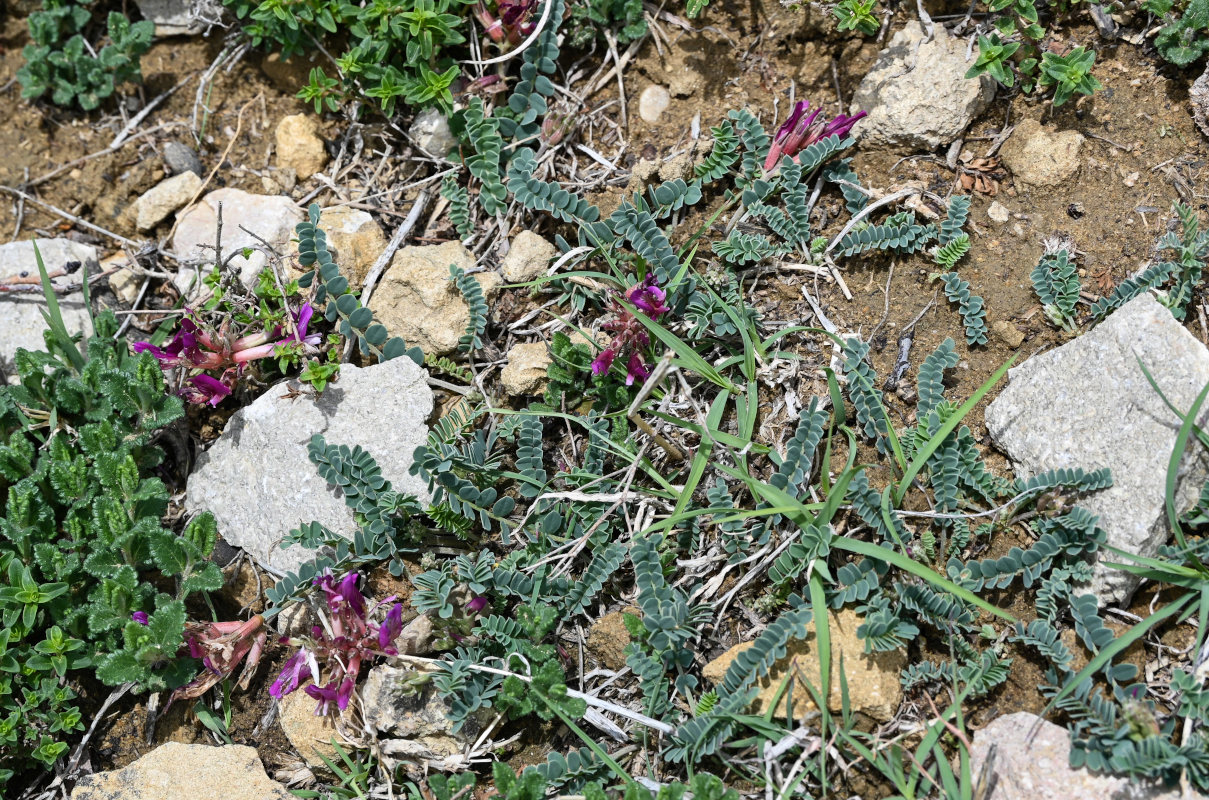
[[648, 297], [296, 670], [629, 334], [140, 617], [800, 130], [182, 351], [476, 605], [604, 360], [391, 627], [343, 593], [200, 347], [326, 695], [636, 369], [302, 321], [203, 388]]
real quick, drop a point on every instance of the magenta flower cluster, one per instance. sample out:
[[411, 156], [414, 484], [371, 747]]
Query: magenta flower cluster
[[514, 20], [629, 334], [332, 655], [803, 129], [199, 347]]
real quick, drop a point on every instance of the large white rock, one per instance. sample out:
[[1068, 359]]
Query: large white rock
[[21, 322], [1031, 759], [259, 482], [176, 771], [917, 94], [1088, 404], [271, 217]]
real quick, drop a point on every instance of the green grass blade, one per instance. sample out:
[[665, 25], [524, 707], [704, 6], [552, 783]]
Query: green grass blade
[[54, 315], [921, 458], [1118, 645]]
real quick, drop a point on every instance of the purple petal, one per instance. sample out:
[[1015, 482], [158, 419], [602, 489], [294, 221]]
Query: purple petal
[[348, 591], [344, 693], [295, 670], [205, 389], [304, 319], [392, 627], [140, 617], [636, 370], [476, 605], [602, 362], [324, 694], [799, 108]]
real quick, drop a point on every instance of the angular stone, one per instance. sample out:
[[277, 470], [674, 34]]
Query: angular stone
[[21, 322], [412, 721], [1031, 759], [416, 300], [1008, 333], [998, 213], [355, 239], [123, 283], [298, 145], [527, 258], [917, 94], [272, 217], [1038, 157], [1087, 404], [525, 372], [165, 197], [175, 771], [259, 482], [873, 678]]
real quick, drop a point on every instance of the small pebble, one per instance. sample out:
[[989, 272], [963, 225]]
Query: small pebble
[[181, 158], [998, 212], [653, 101], [1008, 333]]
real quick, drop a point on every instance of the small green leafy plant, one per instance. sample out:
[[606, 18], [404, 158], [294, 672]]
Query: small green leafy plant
[[1014, 52], [1185, 37], [93, 580], [857, 15], [72, 70], [395, 52]]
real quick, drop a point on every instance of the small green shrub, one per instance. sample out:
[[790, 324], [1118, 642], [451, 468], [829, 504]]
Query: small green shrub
[[81, 539], [396, 51], [74, 70]]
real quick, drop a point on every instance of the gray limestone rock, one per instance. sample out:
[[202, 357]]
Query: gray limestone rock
[[179, 17], [1031, 759], [1088, 404], [21, 322], [917, 94], [411, 722], [271, 217], [259, 482]]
